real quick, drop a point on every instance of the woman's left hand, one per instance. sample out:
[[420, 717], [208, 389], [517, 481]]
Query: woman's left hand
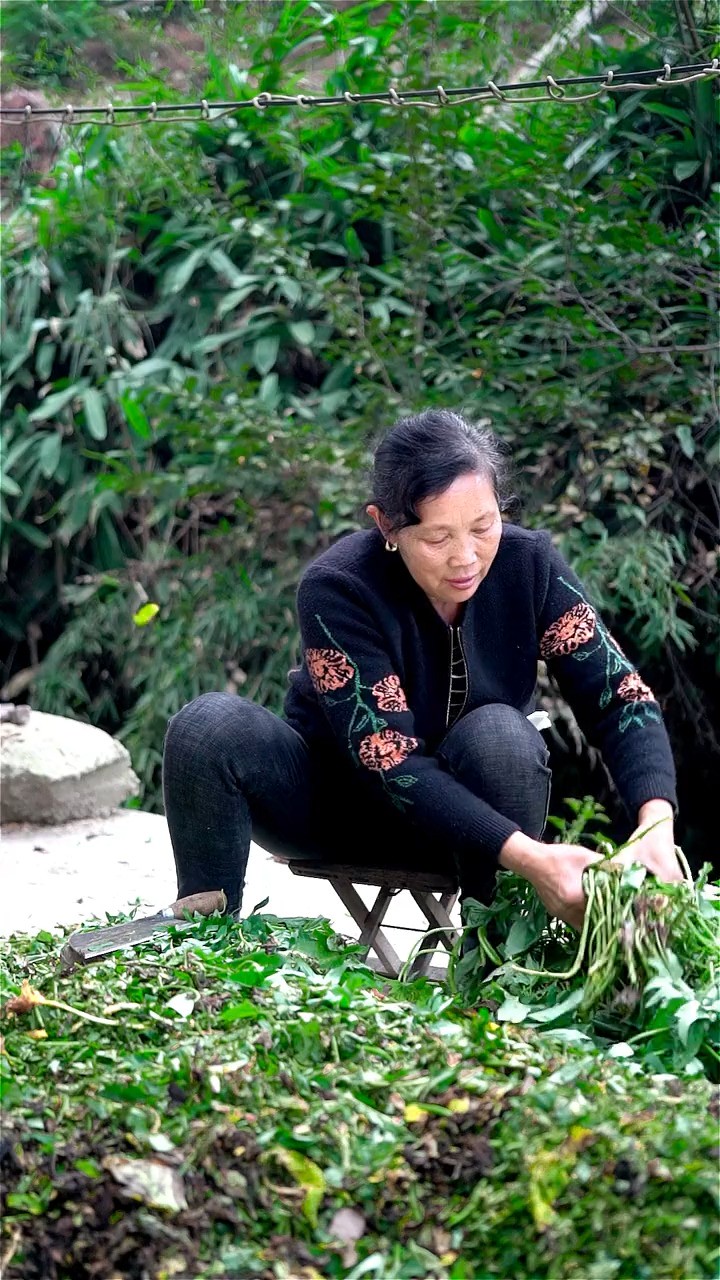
[[653, 842]]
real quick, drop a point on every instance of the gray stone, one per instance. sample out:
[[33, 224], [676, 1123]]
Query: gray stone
[[57, 770]]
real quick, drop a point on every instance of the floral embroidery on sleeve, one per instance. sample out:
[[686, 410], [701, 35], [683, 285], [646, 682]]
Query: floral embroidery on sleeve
[[382, 748], [574, 628], [572, 632], [632, 688], [390, 694], [329, 669]]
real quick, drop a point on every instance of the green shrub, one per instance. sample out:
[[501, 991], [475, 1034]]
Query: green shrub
[[278, 285], [41, 37]]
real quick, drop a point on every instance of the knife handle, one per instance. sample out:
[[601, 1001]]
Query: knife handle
[[202, 904]]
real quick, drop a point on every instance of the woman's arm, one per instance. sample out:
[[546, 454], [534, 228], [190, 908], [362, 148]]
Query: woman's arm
[[615, 708], [653, 840], [555, 870], [620, 715]]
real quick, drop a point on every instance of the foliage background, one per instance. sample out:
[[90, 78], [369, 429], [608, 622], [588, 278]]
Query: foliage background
[[206, 323]]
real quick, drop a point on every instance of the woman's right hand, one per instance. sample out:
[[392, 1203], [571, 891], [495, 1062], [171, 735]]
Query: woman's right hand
[[554, 870], [558, 880]]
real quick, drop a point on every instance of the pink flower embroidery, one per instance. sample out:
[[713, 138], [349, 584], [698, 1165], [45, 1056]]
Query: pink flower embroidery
[[390, 694], [633, 689], [383, 750], [569, 632], [329, 669]]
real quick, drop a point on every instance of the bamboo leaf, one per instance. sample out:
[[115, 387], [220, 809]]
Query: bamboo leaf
[[685, 440], [49, 454], [135, 416], [178, 275], [31, 534], [353, 243], [303, 331], [9, 486], [236, 296], [684, 169], [94, 413], [56, 401], [265, 352], [226, 267]]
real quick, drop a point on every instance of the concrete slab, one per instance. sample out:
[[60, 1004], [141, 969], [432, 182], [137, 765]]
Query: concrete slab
[[73, 874]]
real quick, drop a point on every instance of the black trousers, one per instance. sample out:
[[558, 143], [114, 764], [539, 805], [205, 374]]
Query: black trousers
[[233, 771]]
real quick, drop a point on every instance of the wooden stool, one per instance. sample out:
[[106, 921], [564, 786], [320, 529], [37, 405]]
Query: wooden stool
[[423, 885]]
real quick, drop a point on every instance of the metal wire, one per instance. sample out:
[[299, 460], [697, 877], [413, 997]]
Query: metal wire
[[432, 98]]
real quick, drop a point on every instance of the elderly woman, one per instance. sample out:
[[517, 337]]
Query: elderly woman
[[405, 738]]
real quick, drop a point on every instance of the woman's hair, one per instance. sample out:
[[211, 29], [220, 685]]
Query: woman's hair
[[421, 456]]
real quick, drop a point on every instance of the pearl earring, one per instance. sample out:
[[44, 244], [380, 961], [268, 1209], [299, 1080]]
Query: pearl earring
[[390, 546]]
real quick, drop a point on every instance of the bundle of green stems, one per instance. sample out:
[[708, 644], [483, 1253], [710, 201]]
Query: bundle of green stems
[[631, 926]]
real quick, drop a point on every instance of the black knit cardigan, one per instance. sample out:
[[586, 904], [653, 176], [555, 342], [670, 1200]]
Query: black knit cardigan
[[374, 680]]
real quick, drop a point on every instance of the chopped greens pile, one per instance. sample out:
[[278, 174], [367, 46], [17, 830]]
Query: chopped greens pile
[[251, 1100]]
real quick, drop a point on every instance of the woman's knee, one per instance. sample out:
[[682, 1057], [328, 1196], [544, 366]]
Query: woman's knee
[[209, 722], [501, 757], [496, 734], [222, 736]]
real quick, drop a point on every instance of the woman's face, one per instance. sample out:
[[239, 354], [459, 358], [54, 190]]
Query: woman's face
[[451, 550]]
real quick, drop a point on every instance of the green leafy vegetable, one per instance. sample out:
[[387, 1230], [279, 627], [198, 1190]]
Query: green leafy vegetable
[[645, 971]]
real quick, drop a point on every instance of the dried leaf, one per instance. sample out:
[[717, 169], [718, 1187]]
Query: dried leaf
[[182, 1004], [148, 1180], [347, 1226], [160, 1143], [459, 1105], [28, 998], [308, 1175]]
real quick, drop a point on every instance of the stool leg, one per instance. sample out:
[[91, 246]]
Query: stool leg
[[376, 916], [371, 935], [436, 914]]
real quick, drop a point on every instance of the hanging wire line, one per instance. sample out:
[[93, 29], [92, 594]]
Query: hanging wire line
[[433, 98]]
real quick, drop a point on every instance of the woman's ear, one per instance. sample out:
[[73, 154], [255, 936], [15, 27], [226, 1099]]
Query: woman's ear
[[381, 521]]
